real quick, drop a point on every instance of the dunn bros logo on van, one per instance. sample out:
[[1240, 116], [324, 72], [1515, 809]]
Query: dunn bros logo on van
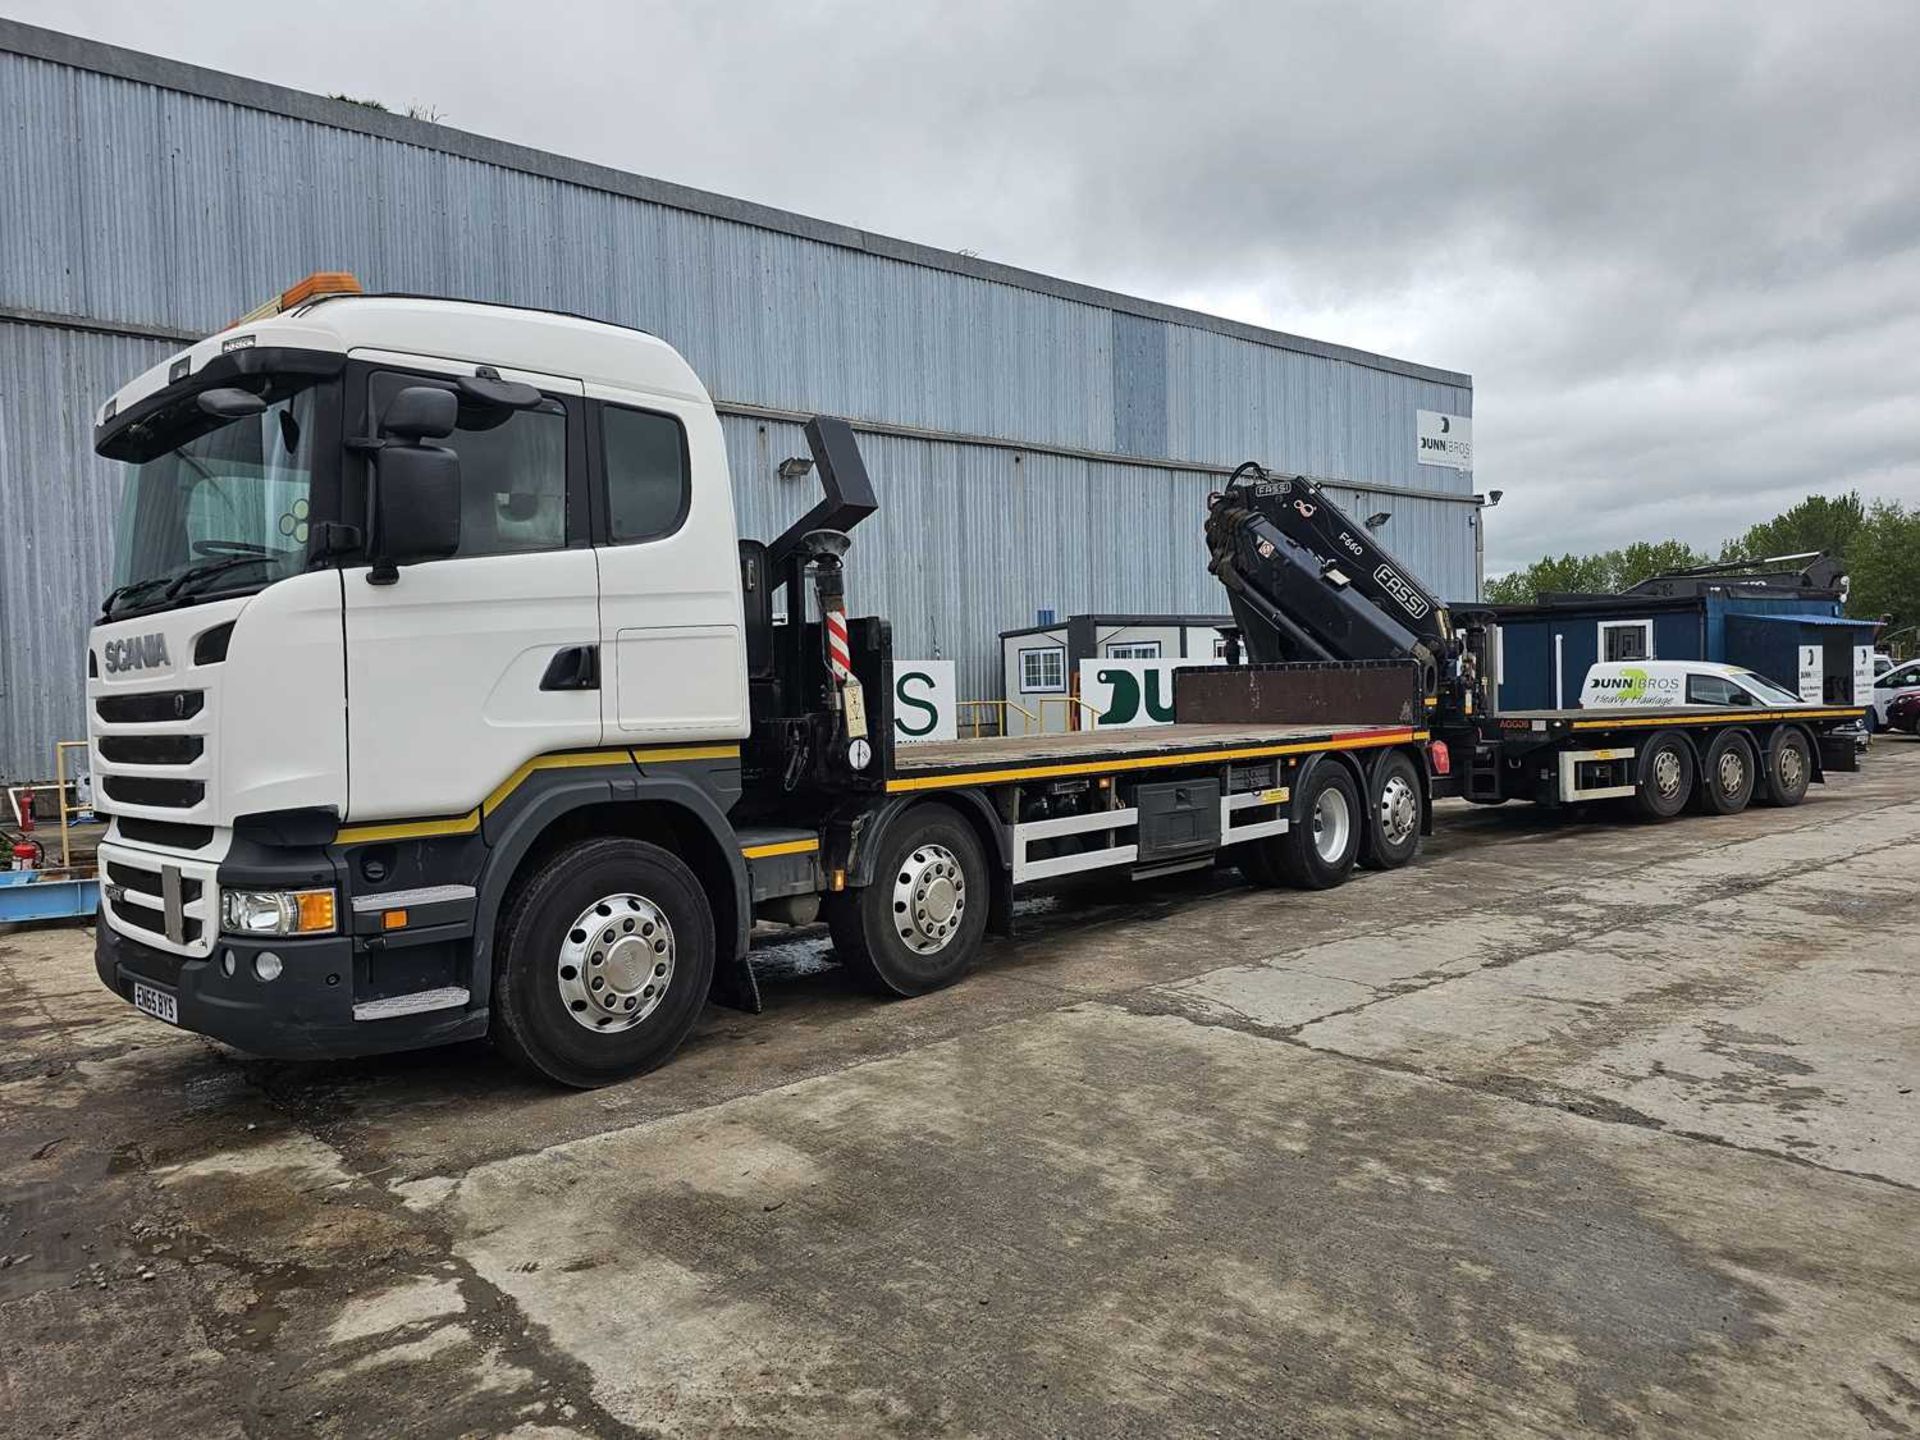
[[1653, 684]]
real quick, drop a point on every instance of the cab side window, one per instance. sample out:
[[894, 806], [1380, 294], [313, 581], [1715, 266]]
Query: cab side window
[[644, 458], [513, 472]]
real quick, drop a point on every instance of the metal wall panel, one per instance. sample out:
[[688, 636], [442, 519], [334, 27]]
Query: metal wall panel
[[57, 503], [132, 205]]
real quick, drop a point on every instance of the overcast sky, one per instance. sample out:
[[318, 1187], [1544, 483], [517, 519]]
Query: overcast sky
[[1676, 245]]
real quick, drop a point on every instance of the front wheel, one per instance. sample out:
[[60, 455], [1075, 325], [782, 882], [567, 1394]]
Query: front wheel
[[917, 925], [602, 964]]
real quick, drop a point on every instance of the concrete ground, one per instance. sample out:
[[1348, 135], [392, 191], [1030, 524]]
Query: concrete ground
[[1569, 1128]]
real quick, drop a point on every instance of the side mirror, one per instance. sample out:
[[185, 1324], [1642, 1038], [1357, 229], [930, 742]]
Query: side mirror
[[415, 508], [414, 503], [419, 412], [229, 403]]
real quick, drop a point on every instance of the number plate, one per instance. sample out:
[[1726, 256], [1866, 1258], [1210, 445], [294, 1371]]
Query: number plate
[[156, 1003]]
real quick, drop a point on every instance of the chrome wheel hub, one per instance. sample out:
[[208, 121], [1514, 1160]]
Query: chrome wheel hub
[[1791, 768], [1332, 824], [1733, 772], [1399, 810], [616, 962], [929, 899], [1666, 773]]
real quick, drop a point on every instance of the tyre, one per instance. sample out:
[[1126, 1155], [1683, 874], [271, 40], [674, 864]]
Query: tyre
[[1788, 769], [1664, 780], [1394, 809], [916, 926], [1320, 847], [602, 964], [1727, 775]]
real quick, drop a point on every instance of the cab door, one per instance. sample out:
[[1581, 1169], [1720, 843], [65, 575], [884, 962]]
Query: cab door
[[449, 688], [672, 636]]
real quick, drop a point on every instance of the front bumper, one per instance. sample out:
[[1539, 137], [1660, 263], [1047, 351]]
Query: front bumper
[[306, 1014]]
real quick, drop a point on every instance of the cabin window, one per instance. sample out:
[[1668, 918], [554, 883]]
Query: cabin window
[[1043, 671], [1134, 650], [1626, 639]]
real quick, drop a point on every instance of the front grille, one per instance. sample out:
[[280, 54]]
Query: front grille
[[159, 793], [168, 833], [147, 882], [148, 918], [154, 707], [152, 749]]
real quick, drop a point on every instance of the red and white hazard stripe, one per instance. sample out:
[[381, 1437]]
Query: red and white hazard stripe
[[839, 653]]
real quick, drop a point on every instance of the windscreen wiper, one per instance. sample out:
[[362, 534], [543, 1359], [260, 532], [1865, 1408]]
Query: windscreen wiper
[[127, 592], [210, 569]]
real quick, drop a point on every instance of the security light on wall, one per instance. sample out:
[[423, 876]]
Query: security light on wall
[[1378, 518], [795, 466], [1493, 497]]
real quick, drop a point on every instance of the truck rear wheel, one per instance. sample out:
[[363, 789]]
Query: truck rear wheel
[[1727, 775], [1665, 775], [1320, 847], [1789, 768], [1393, 814], [916, 926], [603, 963]]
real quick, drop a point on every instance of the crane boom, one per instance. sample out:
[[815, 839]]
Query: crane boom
[[1307, 583]]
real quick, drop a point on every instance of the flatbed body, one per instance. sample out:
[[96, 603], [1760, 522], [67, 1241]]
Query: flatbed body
[[1626, 717], [1003, 758]]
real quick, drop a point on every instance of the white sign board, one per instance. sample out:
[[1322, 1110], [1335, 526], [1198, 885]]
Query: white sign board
[[1127, 694], [1445, 440], [1862, 674], [924, 707], [1812, 676]]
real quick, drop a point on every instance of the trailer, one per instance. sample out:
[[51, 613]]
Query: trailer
[[441, 699]]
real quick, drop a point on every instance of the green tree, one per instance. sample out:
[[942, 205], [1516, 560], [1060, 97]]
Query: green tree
[[1600, 574], [1883, 566], [1826, 523]]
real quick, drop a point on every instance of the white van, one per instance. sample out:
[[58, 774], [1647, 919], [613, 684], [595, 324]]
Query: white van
[[1643, 684]]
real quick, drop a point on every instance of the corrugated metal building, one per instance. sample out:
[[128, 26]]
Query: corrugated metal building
[[1036, 444]]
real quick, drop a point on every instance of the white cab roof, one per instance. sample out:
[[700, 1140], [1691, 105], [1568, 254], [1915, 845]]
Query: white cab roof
[[590, 351]]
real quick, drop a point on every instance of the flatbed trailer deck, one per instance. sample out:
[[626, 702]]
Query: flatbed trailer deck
[[1001, 758], [1637, 717]]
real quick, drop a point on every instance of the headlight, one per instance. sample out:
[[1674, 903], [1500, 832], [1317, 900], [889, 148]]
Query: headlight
[[276, 912]]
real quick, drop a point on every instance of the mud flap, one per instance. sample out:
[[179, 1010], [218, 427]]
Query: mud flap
[[1837, 752], [734, 985]]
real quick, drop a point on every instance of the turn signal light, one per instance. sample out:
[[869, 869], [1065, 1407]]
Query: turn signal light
[[316, 911], [321, 282]]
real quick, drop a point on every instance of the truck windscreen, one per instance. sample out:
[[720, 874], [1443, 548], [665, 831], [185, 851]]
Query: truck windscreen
[[219, 505]]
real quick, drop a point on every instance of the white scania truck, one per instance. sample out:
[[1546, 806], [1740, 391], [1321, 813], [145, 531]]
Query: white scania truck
[[437, 697]]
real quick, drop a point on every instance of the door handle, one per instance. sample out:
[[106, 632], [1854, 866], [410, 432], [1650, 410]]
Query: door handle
[[577, 667]]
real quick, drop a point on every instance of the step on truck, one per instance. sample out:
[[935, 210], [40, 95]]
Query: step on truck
[[437, 697]]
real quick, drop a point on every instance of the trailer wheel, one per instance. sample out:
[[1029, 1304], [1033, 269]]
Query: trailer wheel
[[1393, 814], [603, 963], [1789, 768], [1665, 779], [917, 926], [1319, 848], [1727, 775]]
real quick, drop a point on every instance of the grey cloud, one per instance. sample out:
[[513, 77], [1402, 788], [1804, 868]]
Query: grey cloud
[[1677, 245]]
